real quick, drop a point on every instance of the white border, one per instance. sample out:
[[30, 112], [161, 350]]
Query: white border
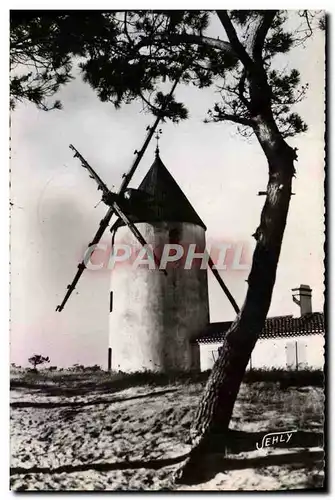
[[4, 302]]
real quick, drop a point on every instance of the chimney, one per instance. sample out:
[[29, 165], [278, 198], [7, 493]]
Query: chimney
[[303, 297]]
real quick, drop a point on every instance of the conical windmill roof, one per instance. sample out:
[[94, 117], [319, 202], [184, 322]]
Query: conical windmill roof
[[166, 201]]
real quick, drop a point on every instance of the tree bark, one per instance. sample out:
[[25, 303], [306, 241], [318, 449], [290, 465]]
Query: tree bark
[[216, 406]]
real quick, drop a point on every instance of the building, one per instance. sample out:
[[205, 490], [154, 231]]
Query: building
[[155, 315], [286, 342]]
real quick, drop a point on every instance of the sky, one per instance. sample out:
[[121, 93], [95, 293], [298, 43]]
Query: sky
[[55, 216]]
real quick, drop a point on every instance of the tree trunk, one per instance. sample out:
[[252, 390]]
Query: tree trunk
[[216, 406]]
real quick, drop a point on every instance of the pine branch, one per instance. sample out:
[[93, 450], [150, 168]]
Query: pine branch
[[177, 39], [260, 34], [126, 28], [236, 45], [241, 89], [240, 120]]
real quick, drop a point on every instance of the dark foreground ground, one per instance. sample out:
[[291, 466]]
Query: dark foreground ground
[[97, 431]]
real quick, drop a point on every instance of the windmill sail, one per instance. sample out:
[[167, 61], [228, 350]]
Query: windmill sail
[[126, 180], [82, 266], [93, 175], [223, 285]]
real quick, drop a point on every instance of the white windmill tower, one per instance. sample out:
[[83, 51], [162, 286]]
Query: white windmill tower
[[154, 316]]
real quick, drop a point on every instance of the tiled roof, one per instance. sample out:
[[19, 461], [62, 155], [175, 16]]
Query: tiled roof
[[279, 326], [165, 200]]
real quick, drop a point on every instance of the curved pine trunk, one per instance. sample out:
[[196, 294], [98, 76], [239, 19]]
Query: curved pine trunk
[[218, 399]]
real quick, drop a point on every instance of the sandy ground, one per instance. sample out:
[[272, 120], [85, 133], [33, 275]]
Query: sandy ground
[[123, 440]]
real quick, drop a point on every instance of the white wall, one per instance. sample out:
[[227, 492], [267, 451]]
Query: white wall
[[276, 353]]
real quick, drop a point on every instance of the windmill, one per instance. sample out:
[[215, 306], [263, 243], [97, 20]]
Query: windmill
[[155, 314]]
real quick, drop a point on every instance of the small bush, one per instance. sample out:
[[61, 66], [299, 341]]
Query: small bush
[[32, 370], [286, 378], [94, 368], [76, 368]]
